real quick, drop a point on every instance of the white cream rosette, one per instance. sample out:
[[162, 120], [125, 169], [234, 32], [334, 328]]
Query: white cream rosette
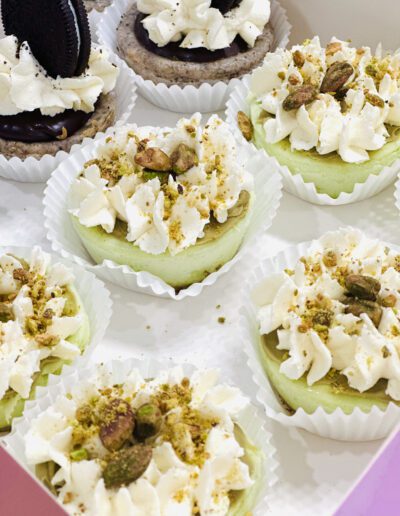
[[207, 98], [43, 435], [352, 356]]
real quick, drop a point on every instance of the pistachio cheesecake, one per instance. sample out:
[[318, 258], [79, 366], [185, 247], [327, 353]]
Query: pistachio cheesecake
[[169, 445], [172, 202], [43, 325], [330, 114], [330, 326]]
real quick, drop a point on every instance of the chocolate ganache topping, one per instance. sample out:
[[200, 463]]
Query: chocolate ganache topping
[[32, 126], [195, 55]]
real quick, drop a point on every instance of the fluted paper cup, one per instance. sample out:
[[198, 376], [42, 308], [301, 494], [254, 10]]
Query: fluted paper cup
[[357, 426], [95, 298], [33, 170], [208, 97], [65, 240], [294, 183], [250, 419]]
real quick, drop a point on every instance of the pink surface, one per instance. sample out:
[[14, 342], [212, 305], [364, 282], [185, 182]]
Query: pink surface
[[378, 491], [20, 495]]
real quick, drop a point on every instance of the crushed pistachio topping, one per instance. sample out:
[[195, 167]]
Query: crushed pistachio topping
[[36, 297], [168, 417], [319, 97], [337, 310], [165, 185]]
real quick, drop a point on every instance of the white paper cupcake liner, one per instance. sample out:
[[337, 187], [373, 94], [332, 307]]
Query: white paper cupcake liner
[[95, 298], [95, 17], [357, 426], [294, 183], [397, 192], [32, 170], [250, 419], [64, 239], [207, 98]]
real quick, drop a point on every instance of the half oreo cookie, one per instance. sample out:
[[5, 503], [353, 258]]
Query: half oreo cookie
[[57, 32]]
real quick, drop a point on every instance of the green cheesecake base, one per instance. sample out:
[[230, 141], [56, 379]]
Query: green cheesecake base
[[219, 245], [329, 173], [329, 393], [12, 405]]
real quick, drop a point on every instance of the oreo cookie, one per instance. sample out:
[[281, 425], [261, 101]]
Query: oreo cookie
[[57, 32], [225, 6]]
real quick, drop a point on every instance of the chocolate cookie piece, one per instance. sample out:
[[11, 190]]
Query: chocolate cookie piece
[[225, 5], [102, 118], [169, 71], [57, 32]]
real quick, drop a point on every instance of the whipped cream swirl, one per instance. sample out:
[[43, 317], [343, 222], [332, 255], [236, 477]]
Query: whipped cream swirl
[[25, 85], [308, 306], [350, 124], [168, 216], [171, 484], [198, 24], [33, 326]]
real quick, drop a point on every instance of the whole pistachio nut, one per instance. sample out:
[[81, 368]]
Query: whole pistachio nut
[[127, 465], [363, 287], [117, 423], [154, 159], [336, 77], [245, 125], [301, 95], [183, 158], [148, 421], [364, 306]]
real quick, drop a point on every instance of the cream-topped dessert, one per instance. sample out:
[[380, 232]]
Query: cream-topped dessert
[[330, 114], [169, 445], [181, 42], [202, 25], [56, 87], [151, 195], [21, 72], [331, 327], [42, 326]]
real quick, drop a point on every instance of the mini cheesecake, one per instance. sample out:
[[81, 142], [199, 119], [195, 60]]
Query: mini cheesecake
[[43, 326], [171, 63], [329, 114], [329, 173], [176, 440], [169, 222], [59, 87], [329, 326], [329, 393]]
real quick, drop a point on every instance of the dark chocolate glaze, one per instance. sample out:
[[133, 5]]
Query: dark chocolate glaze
[[195, 55], [33, 127], [225, 5]]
